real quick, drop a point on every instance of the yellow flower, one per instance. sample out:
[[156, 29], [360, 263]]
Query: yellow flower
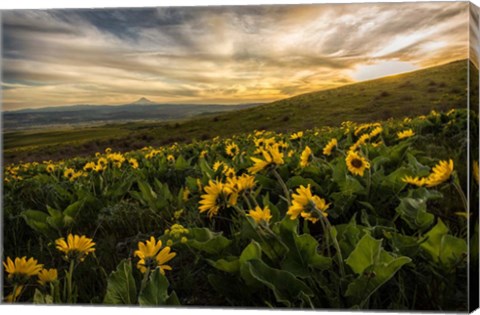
[[260, 215], [89, 166], [305, 156], [232, 149], [12, 297], [327, 150], [170, 158], [108, 150], [271, 155], [46, 276], [236, 185], [296, 136], [229, 171], [76, 247], [152, 257], [102, 162], [405, 134], [475, 170], [308, 206], [440, 173], [116, 158], [68, 173], [361, 141], [356, 163], [71, 174], [177, 230], [185, 194], [133, 163], [22, 268], [203, 154], [217, 165], [211, 201], [50, 168], [414, 181], [375, 132]]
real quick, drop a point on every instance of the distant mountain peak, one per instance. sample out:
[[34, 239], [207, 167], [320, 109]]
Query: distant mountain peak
[[143, 101]]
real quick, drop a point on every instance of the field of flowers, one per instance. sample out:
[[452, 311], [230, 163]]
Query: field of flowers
[[369, 216]]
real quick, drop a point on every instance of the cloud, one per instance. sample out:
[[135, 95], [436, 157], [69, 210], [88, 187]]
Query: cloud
[[225, 54]]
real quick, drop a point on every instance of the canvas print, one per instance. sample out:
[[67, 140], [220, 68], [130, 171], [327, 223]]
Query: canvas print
[[315, 156]]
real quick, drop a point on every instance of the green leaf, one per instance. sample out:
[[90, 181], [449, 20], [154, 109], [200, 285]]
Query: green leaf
[[156, 291], [413, 208], [41, 298], [383, 270], [445, 249], [181, 164], [297, 181], [285, 286], [365, 254], [434, 239], [452, 250], [351, 186], [231, 266], [303, 255], [205, 240], [72, 210], [251, 252], [37, 220], [348, 236], [121, 287]]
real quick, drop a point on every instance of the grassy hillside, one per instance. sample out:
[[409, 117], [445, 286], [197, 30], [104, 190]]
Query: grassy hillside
[[440, 88]]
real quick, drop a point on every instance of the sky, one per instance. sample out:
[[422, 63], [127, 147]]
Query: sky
[[224, 55]]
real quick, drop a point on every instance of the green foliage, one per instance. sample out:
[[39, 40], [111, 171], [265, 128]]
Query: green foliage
[[121, 287], [156, 291]]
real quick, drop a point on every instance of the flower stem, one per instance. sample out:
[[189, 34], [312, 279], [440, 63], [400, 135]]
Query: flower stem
[[461, 194], [284, 186], [337, 247], [145, 279], [69, 282]]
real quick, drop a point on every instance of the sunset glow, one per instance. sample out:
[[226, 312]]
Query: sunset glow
[[225, 55]]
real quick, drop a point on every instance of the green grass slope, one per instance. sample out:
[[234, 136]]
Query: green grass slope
[[415, 93]]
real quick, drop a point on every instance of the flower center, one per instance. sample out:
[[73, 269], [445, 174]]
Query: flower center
[[357, 163]]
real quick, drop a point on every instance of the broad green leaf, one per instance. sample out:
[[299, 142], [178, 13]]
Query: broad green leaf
[[285, 286], [121, 288], [365, 254], [296, 181], [303, 255], [367, 283], [72, 210], [444, 249], [156, 291], [37, 220], [231, 266], [434, 239], [181, 164], [205, 240], [42, 298], [251, 252], [351, 186], [413, 208], [348, 237], [452, 250]]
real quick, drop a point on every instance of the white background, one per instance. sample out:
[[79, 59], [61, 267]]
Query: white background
[[82, 310]]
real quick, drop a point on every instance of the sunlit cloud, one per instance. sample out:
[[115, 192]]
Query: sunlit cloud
[[378, 70], [227, 55]]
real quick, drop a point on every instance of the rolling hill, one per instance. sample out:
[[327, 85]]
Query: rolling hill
[[140, 110], [415, 93]]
